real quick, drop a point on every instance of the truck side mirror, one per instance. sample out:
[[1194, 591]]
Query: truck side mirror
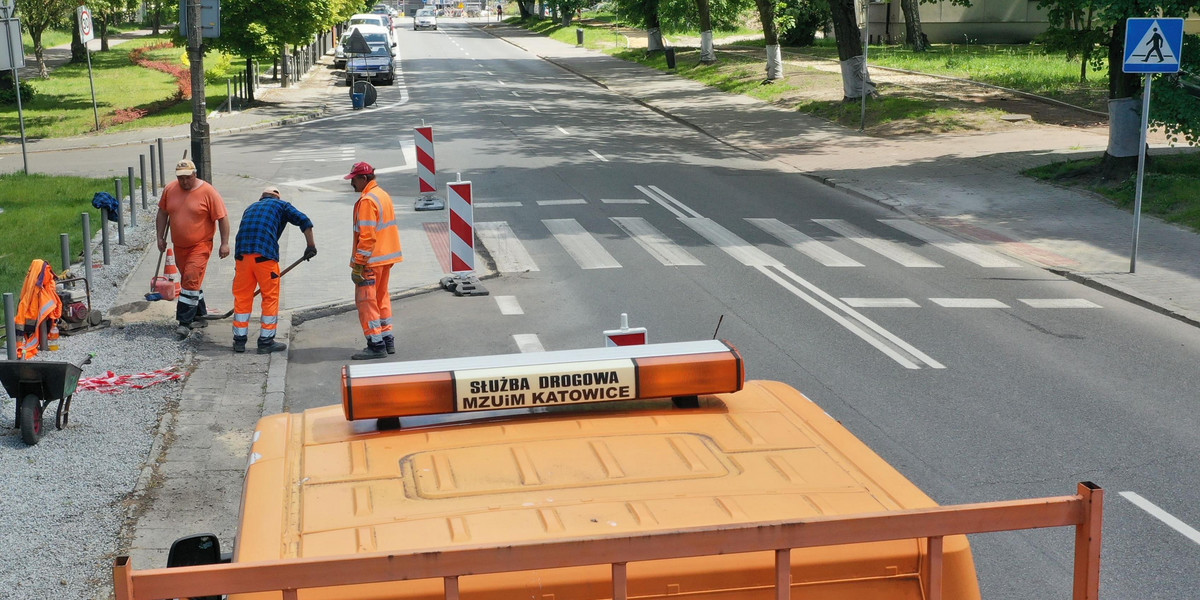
[[194, 550]]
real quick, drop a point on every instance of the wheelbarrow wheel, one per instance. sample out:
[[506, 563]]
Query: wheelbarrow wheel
[[31, 419]]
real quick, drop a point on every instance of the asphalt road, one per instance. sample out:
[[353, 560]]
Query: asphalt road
[[978, 376]]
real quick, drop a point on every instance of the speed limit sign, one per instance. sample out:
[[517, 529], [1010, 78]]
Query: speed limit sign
[[85, 25]]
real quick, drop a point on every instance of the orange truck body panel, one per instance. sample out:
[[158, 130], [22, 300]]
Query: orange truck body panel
[[320, 485]]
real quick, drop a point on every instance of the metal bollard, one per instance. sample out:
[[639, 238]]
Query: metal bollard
[[228, 96], [142, 171], [579, 36], [131, 189], [10, 325], [670, 52], [87, 249], [104, 235], [132, 204], [162, 167], [120, 214], [64, 242], [153, 173]]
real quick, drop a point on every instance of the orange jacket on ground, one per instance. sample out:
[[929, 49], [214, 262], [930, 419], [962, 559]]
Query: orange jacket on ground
[[39, 302], [376, 234]]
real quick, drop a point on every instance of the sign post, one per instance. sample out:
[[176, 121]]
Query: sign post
[[1152, 45], [86, 35], [16, 59]]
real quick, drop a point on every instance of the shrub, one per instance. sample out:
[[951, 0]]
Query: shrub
[[8, 93]]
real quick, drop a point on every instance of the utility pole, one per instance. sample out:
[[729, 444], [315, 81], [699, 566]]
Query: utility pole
[[201, 153]]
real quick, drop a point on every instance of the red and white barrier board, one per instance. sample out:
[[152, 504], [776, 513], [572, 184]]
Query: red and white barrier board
[[462, 227], [626, 335], [426, 169]]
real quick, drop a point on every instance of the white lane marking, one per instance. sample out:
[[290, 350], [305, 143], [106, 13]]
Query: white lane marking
[[561, 202], [514, 92], [656, 243], [971, 252], [888, 249], [344, 153], [668, 202], [839, 319], [495, 204], [508, 305], [564, 131], [805, 245], [534, 109], [505, 248], [501, 82], [580, 244], [408, 149], [734, 246], [623, 201], [1172, 521], [968, 302], [1059, 302], [597, 155], [880, 303], [403, 100], [528, 342], [857, 316]]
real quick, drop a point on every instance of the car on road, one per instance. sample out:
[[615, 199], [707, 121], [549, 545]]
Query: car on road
[[379, 65], [425, 18], [371, 19]]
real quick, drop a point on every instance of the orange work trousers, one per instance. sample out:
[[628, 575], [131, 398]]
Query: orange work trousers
[[253, 271], [192, 262], [374, 304]]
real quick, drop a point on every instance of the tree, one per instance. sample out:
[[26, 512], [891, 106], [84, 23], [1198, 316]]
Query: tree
[[766, 14], [266, 26], [1076, 31], [856, 82], [38, 16], [800, 20], [914, 36]]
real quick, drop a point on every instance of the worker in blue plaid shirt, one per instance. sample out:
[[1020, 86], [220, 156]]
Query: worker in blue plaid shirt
[[256, 251]]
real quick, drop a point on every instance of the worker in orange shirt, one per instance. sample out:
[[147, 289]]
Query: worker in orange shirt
[[376, 249], [256, 250], [195, 211]]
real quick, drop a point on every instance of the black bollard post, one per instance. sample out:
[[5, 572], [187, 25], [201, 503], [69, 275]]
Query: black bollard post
[[142, 172], [162, 167], [153, 173], [87, 248], [104, 235]]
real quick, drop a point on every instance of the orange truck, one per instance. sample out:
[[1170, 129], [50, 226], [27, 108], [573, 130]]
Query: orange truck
[[649, 471]]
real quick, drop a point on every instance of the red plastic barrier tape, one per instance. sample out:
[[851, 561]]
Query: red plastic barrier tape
[[111, 383]]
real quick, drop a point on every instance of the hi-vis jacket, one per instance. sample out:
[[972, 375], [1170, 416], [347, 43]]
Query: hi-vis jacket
[[376, 234], [39, 302]]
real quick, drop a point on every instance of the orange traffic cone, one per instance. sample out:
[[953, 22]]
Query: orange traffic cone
[[172, 273]]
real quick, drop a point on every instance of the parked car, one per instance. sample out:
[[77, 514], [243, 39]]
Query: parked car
[[425, 18], [371, 19], [379, 65]]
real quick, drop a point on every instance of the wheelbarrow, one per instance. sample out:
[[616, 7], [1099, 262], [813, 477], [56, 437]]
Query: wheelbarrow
[[34, 384]]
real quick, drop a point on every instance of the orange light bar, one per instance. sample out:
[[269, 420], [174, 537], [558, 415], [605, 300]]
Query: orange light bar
[[540, 379]]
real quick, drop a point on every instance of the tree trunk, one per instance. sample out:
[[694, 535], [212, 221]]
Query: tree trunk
[[285, 64], [766, 15], [855, 81], [78, 49], [914, 36], [654, 39], [39, 53], [1124, 112], [103, 34], [250, 82], [157, 20], [707, 56]]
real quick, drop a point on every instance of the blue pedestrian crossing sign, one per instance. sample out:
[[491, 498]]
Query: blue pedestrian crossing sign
[[1152, 45]]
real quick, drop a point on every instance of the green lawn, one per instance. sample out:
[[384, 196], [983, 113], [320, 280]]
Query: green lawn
[[44, 206], [62, 105]]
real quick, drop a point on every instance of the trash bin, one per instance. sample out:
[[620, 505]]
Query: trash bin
[[579, 36], [357, 99], [670, 52]]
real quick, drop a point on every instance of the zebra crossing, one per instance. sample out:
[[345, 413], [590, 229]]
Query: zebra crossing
[[588, 252], [339, 154]]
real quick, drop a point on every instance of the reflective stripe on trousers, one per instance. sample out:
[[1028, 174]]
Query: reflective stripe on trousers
[[374, 304]]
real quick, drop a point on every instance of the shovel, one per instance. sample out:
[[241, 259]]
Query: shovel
[[229, 313]]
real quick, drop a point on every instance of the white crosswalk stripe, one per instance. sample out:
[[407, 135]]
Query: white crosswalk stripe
[[656, 243], [505, 248], [805, 245], [580, 244], [342, 153], [970, 252], [886, 248], [741, 250], [880, 303], [968, 302]]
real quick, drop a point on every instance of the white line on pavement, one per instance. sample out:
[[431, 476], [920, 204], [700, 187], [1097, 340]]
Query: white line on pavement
[[528, 342], [970, 252], [968, 302], [886, 248], [623, 201], [496, 204], [805, 245], [1059, 303], [1172, 521], [561, 202], [656, 243], [407, 148], [564, 131], [508, 305], [880, 303], [580, 244], [597, 155]]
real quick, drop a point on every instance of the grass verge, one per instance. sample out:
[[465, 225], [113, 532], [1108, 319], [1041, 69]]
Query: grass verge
[[1169, 186], [42, 206]]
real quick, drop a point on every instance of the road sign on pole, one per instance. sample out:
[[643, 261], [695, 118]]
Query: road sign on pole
[[1152, 45], [15, 59], [85, 25]]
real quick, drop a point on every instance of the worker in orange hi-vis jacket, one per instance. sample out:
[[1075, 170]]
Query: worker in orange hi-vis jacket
[[196, 211], [376, 249], [256, 250]]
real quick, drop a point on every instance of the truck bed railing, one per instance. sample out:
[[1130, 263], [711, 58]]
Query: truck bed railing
[[1083, 511]]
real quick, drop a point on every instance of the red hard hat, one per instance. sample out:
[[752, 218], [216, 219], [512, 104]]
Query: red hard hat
[[360, 168]]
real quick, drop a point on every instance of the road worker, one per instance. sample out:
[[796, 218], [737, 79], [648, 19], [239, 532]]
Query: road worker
[[376, 248], [256, 252], [195, 211]]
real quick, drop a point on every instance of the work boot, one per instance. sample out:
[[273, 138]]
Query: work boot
[[389, 344], [370, 353], [199, 323], [239, 346], [183, 331], [272, 347]]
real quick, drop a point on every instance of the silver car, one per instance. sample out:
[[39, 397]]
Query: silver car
[[425, 19]]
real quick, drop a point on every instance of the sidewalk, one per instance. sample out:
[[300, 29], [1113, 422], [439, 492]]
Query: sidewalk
[[966, 184]]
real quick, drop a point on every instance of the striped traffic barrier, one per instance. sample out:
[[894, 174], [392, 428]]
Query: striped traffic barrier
[[426, 171], [463, 282]]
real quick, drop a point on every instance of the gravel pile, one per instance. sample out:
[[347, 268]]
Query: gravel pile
[[63, 501]]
